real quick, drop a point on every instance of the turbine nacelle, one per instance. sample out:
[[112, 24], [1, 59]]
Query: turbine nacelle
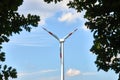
[[61, 40]]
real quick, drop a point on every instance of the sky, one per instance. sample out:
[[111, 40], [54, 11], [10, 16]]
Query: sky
[[36, 56]]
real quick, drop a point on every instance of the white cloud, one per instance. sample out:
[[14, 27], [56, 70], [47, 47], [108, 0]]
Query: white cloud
[[118, 56], [66, 17], [45, 11], [42, 22], [72, 72], [85, 28], [39, 7], [69, 17]]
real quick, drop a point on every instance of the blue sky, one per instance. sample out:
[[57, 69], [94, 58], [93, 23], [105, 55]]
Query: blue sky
[[35, 55]]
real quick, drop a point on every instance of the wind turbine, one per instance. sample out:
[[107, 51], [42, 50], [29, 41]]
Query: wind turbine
[[61, 41]]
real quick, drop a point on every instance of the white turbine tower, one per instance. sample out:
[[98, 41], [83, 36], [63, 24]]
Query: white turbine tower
[[61, 41]]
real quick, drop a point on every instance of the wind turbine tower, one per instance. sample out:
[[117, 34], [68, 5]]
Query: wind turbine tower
[[61, 41]]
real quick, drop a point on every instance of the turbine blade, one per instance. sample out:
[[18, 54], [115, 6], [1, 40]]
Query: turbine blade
[[70, 34], [51, 33]]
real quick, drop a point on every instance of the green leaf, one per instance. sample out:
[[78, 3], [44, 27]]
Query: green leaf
[[2, 56], [5, 67]]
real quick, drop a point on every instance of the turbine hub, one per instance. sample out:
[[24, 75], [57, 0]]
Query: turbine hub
[[62, 40]]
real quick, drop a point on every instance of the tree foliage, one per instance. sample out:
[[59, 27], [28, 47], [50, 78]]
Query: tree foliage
[[11, 22], [104, 21], [48, 1]]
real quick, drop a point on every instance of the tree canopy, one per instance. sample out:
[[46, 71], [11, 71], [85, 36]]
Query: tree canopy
[[11, 22], [104, 21]]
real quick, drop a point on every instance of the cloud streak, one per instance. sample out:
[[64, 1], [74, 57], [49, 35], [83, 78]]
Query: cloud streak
[[42, 42], [22, 74], [89, 73], [51, 78], [33, 39]]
